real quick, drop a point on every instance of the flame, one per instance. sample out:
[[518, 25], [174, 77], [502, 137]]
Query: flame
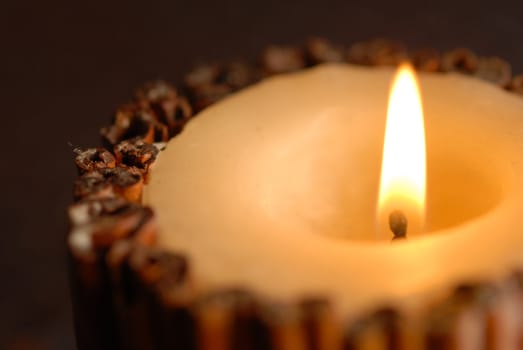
[[403, 169]]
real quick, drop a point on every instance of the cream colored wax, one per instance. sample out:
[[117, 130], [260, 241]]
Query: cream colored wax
[[275, 188]]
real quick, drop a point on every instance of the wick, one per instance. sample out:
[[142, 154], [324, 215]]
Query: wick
[[398, 224]]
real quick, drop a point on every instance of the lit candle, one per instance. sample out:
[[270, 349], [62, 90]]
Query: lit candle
[[402, 187], [275, 189]]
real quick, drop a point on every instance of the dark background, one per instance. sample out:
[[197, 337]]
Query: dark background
[[65, 67]]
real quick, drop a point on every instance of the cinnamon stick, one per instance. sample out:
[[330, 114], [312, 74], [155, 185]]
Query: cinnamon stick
[[460, 60], [126, 182], [93, 159], [377, 52], [321, 327], [136, 153], [230, 319], [378, 330], [134, 120], [169, 107]]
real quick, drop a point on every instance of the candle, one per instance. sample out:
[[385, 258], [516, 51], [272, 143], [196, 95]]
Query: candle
[[275, 189], [269, 220]]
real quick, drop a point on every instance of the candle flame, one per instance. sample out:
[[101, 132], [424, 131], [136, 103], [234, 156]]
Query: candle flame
[[403, 169]]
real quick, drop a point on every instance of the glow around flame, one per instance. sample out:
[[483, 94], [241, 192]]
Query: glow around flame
[[403, 170]]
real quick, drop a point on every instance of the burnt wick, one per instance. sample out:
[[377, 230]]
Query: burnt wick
[[398, 224]]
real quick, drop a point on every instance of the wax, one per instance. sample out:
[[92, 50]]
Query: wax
[[275, 189]]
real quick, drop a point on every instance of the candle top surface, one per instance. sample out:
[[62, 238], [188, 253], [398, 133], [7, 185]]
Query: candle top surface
[[275, 189]]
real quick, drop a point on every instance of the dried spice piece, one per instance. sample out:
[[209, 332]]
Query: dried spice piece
[[93, 159], [132, 120], [460, 60], [136, 153], [85, 211], [377, 52], [495, 70], [319, 50], [516, 84], [122, 181], [169, 107], [426, 60], [380, 330], [282, 59]]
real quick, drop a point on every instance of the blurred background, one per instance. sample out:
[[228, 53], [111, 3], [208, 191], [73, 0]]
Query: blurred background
[[65, 67]]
